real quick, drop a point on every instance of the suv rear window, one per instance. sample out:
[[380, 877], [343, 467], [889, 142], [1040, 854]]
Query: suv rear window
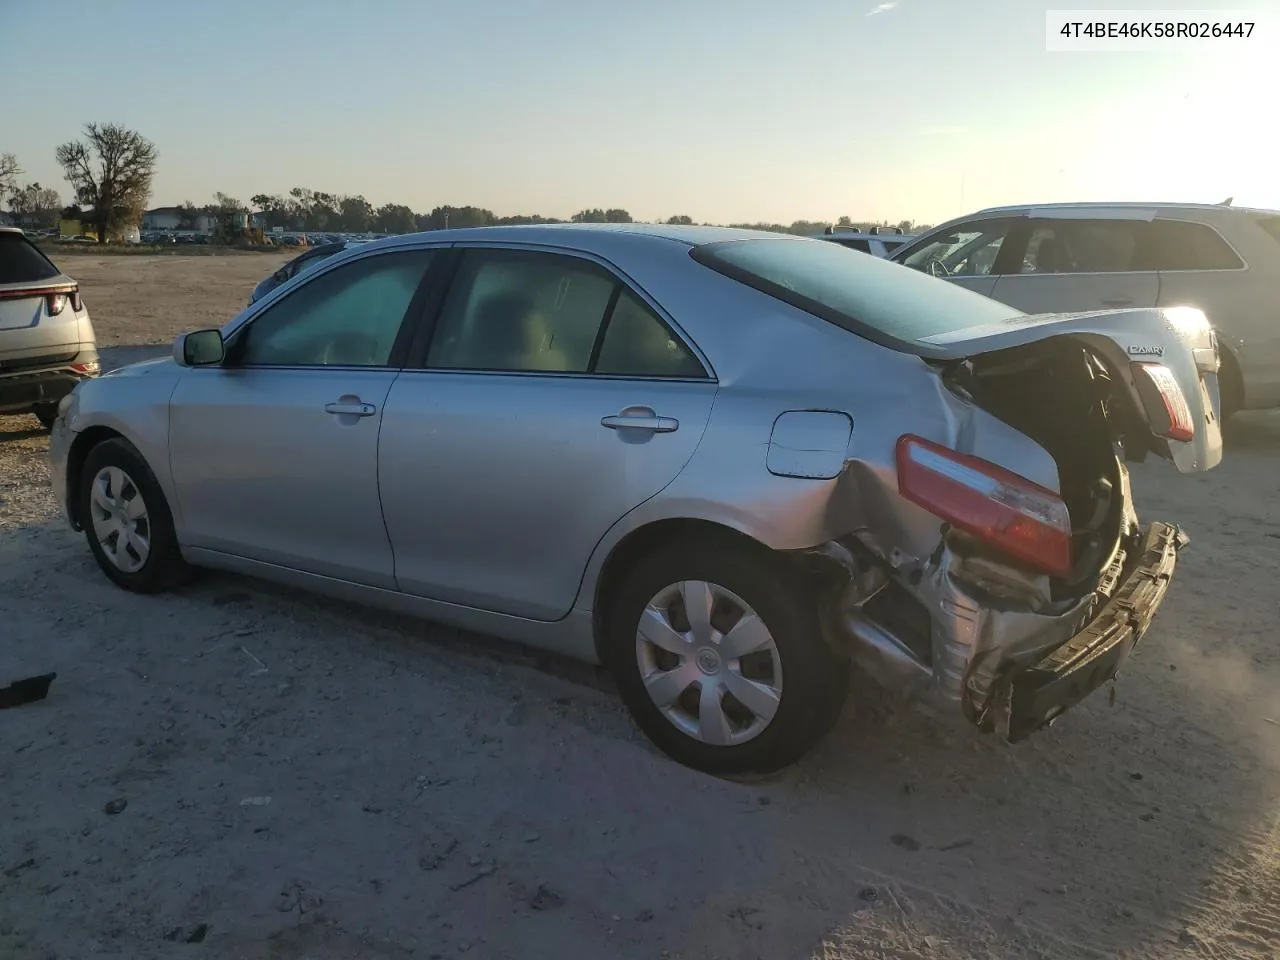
[[21, 261], [872, 297]]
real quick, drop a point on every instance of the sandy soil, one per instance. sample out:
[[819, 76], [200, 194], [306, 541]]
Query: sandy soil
[[438, 795]]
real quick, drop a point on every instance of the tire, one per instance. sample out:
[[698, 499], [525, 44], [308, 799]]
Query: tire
[[46, 413], [814, 680], [127, 480]]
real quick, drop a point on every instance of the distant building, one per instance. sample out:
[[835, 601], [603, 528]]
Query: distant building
[[170, 218]]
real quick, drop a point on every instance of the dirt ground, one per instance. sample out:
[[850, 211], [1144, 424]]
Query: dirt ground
[[236, 771]]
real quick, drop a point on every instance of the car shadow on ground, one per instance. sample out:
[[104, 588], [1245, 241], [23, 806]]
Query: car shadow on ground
[[1138, 827], [14, 427]]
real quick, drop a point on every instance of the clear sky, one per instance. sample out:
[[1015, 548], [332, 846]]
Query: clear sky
[[725, 110]]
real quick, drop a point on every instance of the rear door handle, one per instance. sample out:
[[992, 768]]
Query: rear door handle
[[644, 419], [350, 408]]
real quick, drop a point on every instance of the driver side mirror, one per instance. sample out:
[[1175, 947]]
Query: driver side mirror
[[199, 348], [281, 275]]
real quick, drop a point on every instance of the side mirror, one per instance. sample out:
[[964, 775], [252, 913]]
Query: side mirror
[[281, 275], [199, 348]]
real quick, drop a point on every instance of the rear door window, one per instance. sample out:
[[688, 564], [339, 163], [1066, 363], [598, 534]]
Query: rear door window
[[520, 311], [1182, 245], [515, 311], [22, 262], [1084, 246]]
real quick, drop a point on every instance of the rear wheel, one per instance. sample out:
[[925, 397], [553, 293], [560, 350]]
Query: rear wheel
[[718, 653], [127, 520]]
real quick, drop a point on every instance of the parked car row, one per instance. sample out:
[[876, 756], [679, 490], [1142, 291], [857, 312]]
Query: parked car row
[[725, 464]]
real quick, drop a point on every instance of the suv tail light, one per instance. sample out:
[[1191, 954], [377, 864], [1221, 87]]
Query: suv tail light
[[57, 302], [1164, 401], [1000, 508]]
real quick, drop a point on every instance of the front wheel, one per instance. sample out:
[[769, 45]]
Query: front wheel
[[718, 653], [127, 521]]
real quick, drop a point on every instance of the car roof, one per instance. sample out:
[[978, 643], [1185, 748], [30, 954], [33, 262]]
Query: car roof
[[1116, 206], [12, 230], [597, 238]]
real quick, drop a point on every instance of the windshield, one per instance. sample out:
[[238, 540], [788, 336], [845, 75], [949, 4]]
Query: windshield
[[869, 296], [967, 251]]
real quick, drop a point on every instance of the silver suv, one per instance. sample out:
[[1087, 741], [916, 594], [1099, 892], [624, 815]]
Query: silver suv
[[1222, 259], [46, 340]]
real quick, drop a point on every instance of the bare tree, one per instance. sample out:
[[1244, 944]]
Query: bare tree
[[111, 171], [9, 173], [36, 203]]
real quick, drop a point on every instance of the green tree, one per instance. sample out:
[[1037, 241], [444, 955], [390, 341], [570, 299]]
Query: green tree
[[806, 228], [110, 171], [444, 218], [355, 214], [394, 218], [594, 215], [525, 218], [681, 221]]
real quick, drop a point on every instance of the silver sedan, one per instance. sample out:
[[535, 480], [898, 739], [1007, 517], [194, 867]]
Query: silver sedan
[[730, 466]]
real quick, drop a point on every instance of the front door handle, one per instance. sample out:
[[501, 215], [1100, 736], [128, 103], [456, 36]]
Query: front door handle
[[640, 418], [1118, 302], [350, 408]]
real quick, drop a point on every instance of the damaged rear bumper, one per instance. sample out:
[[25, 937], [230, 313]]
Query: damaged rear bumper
[[987, 648], [1034, 695]]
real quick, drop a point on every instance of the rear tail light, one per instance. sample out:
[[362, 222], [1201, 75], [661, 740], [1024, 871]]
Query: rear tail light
[[1008, 512], [57, 302], [88, 369], [1164, 401]]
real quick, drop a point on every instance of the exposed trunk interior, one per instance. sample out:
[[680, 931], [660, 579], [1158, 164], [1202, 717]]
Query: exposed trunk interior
[[1061, 395]]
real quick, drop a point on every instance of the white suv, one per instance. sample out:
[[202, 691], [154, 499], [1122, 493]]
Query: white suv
[[877, 242], [1103, 256]]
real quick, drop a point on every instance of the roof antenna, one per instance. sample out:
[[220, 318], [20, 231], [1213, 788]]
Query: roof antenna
[[1226, 202]]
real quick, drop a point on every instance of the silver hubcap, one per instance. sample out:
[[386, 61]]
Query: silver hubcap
[[709, 663], [120, 521]]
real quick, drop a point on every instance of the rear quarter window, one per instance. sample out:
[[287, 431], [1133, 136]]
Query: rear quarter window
[[22, 262], [1272, 226], [875, 298], [1182, 245]]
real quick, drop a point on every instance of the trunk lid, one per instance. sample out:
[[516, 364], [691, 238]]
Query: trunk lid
[[31, 289], [1179, 339], [26, 323]]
